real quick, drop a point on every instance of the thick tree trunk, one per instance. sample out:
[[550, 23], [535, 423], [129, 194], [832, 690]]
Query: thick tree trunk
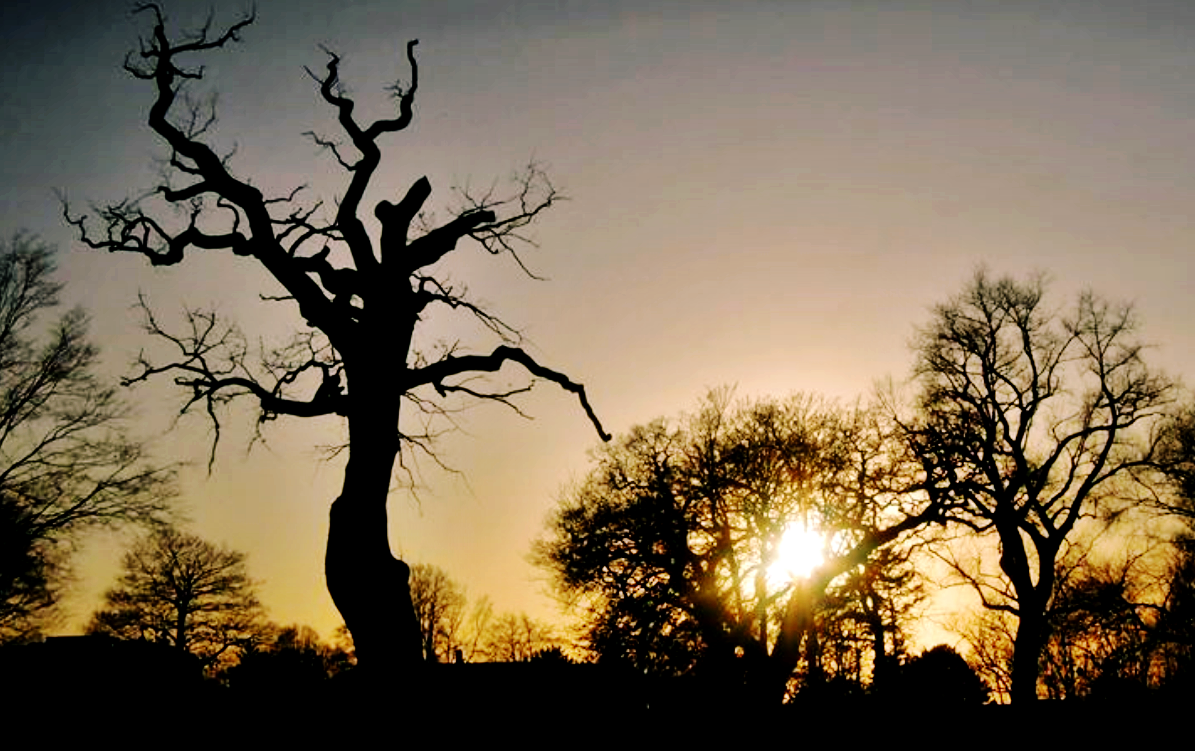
[[369, 585], [1026, 660], [1033, 599]]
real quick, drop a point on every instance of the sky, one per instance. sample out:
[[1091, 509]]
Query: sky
[[771, 195]]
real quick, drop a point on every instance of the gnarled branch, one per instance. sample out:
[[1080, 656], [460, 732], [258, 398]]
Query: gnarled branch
[[436, 373]]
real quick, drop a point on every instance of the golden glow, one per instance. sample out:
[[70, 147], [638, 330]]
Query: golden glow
[[799, 553]]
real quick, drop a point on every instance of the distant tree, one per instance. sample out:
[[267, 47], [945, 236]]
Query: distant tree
[[673, 545], [66, 461], [1174, 627], [342, 640], [551, 656], [867, 614], [359, 293], [1177, 461], [939, 677], [181, 590], [1029, 421], [439, 603], [989, 635], [1101, 622], [30, 571], [517, 637], [476, 626]]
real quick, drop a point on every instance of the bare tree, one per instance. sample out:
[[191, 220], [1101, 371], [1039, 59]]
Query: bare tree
[[361, 303], [517, 637], [1100, 627], [990, 635], [181, 590], [476, 626], [1029, 422], [440, 609], [66, 460]]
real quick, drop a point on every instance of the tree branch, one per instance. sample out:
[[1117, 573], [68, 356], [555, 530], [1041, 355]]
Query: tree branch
[[211, 365], [436, 373]]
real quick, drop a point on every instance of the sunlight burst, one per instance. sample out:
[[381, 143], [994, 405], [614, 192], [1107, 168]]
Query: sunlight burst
[[799, 553]]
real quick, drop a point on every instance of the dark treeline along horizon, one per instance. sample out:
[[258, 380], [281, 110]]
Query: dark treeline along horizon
[[1034, 455], [198, 604]]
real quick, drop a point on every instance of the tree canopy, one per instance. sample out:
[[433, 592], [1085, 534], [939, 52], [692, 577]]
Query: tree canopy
[[178, 589], [677, 545]]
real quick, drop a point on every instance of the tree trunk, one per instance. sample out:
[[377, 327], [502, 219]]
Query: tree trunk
[[371, 587], [796, 628], [1026, 659], [881, 664]]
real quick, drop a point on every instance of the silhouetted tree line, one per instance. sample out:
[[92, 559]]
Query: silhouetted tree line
[[1038, 457], [196, 601]]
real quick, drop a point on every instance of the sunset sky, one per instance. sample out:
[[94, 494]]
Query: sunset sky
[[767, 194]]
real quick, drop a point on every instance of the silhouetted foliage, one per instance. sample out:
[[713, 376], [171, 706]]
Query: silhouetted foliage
[[1029, 421], [1099, 629], [989, 634], [181, 590], [1177, 459], [552, 656], [938, 677], [1174, 627], [360, 295], [29, 573], [72, 684], [292, 660], [669, 545], [66, 462]]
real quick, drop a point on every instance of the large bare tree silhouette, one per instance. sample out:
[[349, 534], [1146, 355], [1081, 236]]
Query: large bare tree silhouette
[[356, 356]]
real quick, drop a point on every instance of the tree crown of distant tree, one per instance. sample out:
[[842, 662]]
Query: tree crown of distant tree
[[453, 631], [289, 661], [668, 544], [178, 589], [1031, 421]]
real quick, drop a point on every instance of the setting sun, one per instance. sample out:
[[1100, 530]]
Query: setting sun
[[799, 553]]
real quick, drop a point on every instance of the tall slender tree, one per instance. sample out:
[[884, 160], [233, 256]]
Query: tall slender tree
[[360, 301], [440, 609], [1030, 421]]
